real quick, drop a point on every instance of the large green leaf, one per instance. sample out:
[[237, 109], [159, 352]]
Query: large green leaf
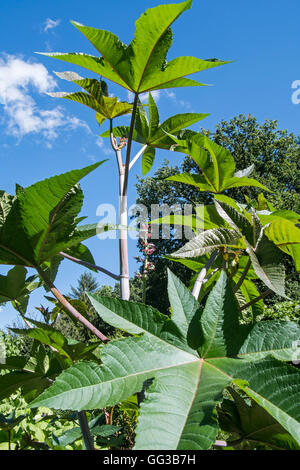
[[284, 234], [179, 410], [42, 220], [141, 66], [15, 288], [216, 164]]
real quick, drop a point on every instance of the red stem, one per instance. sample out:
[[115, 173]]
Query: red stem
[[70, 307]]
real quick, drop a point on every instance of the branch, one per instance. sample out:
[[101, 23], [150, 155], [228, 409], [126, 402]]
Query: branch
[[243, 277], [86, 434], [115, 147], [22, 315], [135, 159], [89, 265], [202, 275], [265, 294], [70, 307]]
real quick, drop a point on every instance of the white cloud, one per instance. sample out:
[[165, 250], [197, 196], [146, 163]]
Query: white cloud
[[51, 24], [18, 81]]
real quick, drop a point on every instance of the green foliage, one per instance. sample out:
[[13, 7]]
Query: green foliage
[[288, 310], [216, 165], [273, 155], [35, 430], [41, 220], [153, 134], [181, 364], [15, 288], [207, 352], [95, 98], [252, 426], [141, 66]]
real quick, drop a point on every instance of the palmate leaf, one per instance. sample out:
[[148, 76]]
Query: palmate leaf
[[216, 165], [190, 357], [42, 220], [141, 66], [104, 106]]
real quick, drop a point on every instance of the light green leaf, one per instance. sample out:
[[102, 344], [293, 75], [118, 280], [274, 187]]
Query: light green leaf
[[153, 116], [141, 66], [268, 265], [175, 71], [150, 29], [194, 180], [249, 293], [148, 160], [238, 182], [283, 233]]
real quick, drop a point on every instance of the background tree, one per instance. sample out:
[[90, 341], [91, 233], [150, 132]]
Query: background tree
[[275, 156]]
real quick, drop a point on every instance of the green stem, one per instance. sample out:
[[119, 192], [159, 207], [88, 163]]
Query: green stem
[[265, 294], [129, 143], [243, 277]]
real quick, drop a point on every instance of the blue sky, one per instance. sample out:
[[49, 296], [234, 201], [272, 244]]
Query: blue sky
[[41, 136]]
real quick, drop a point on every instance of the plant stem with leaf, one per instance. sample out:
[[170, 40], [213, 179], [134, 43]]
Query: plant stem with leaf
[[70, 307]]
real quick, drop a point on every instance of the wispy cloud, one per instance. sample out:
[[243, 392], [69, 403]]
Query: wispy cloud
[[106, 150], [20, 81], [51, 24], [178, 102]]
